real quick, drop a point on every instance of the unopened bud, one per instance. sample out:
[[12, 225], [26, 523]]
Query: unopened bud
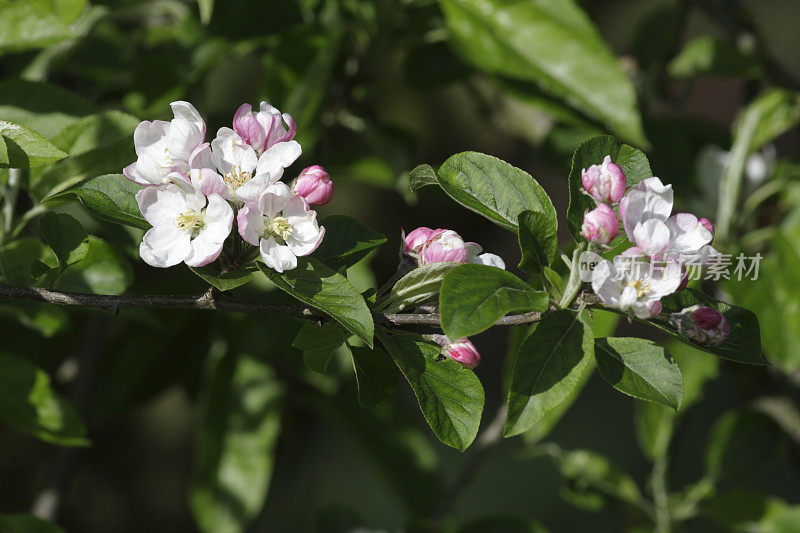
[[315, 185], [605, 182], [703, 325], [600, 225]]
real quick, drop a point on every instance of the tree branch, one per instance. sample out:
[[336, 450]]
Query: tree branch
[[208, 301]]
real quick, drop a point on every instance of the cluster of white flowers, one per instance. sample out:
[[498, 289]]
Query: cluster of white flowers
[[193, 189], [666, 242]]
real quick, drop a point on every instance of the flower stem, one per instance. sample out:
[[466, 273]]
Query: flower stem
[[574, 282]]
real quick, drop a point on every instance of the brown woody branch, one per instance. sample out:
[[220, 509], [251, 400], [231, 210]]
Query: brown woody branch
[[211, 301]]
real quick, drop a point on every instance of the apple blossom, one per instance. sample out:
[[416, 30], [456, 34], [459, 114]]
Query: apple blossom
[[264, 129], [635, 287], [245, 173], [605, 182], [165, 147], [690, 238], [314, 184], [188, 226], [600, 225], [703, 325], [281, 225]]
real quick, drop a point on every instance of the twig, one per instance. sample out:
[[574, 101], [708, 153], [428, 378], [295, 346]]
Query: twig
[[208, 301], [483, 443]]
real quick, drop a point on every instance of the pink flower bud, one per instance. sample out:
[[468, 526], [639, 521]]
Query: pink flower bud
[[443, 246], [606, 182], [315, 185], [600, 225], [708, 225], [415, 240], [703, 325], [463, 351]]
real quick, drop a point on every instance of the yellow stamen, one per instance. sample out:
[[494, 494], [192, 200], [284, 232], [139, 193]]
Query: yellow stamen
[[235, 178], [279, 228], [642, 288], [191, 221]]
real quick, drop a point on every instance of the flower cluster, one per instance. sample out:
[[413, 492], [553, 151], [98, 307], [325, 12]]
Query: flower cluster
[[427, 246], [665, 242], [194, 189]]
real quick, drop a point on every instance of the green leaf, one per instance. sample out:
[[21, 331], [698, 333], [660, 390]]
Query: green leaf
[[770, 115], [538, 241], [773, 297], [17, 259], [639, 368], [708, 54], [420, 286], [376, 375], [24, 148], [741, 442], [29, 404], [26, 523], [776, 111], [347, 241], [206, 10], [317, 285], [493, 188], [555, 281], [227, 280], [35, 24], [104, 270], [450, 396], [41, 107], [743, 345], [548, 367], [95, 131], [240, 423], [474, 297], [111, 197], [632, 161], [552, 43], [603, 323], [66, 237], [318, 344], [422, 176], [81, 167], [590, 474]]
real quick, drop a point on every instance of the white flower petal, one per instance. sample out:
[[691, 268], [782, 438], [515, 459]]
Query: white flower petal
[[276, 158], [205, 248], [276, 256], [161, 205], [490, 260], [218, 219], [250, 223], [186, 111], [165, 245], [652, 236]]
